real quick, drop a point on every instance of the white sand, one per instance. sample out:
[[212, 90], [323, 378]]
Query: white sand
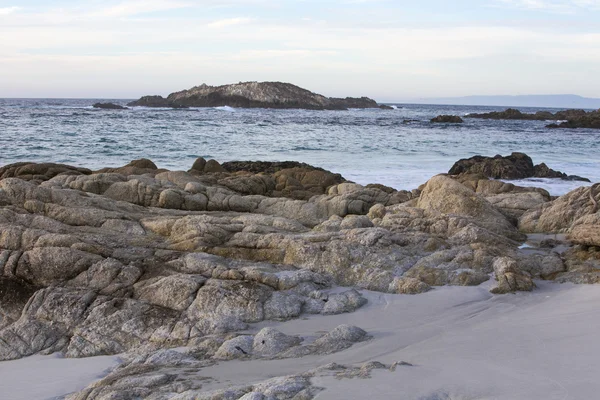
[[465, 344], [47, 377]]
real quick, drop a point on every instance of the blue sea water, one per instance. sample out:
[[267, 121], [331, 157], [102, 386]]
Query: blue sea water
[[366, 146]]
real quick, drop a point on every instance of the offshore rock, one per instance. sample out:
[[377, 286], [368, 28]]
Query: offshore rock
[[590, 120], [447, 119], [254, 95], [514, 166], [515, 114], [109, 106]]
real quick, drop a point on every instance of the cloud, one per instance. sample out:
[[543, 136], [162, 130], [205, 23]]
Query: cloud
[[136, 7], [553, 5], [222, 23], [9, 10]]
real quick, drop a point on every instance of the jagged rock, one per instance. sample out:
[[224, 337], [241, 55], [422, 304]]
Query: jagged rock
[[252, 95], [515, 166], [559, 215], [112, 262], [447, 196], [509, 277], [578, 119]]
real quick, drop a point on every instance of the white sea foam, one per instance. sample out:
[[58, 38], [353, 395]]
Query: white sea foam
[[225, 108]]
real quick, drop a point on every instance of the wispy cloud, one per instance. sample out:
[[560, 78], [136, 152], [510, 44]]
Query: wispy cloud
[[222, 23], [553, 5], [136, 7], [9, 10]]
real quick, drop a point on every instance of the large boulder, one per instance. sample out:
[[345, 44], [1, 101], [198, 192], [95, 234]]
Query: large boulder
[[559, 215], [514, 166], [447, 196], [510, 278]]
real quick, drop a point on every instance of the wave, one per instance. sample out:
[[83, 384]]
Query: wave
[[225, 108]]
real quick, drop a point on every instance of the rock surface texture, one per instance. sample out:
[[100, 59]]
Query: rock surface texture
[[139, 261], [254, 95]]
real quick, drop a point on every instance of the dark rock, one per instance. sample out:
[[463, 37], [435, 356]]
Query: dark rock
[[515, 166], [150, 101], [213, 166], [509, 113], [381, 187], [571, 118], [447, 119], [254, 95], [142, 163], [199, 164], [542, 171], [41, 172], [109, 106], [386, 107], [267, 167], [575, 120], [135, 167]]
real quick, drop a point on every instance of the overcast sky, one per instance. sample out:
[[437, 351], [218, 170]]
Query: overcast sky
[[385, 49]]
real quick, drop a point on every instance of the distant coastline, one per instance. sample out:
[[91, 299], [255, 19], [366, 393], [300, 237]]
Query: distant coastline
[[533, 101]]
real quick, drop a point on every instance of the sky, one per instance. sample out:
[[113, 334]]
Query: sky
[[390, 50]]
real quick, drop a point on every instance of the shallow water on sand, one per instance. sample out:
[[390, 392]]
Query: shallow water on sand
[[365, 146]]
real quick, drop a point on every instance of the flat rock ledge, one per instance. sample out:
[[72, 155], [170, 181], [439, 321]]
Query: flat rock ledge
[[142, 262]]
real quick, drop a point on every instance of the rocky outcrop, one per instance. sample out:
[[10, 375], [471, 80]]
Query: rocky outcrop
[[514, 166], [39, 171], [589, 120], [515, 114], [109, 106], [254, 95], [569, 118], [447, 119], [173, 270]]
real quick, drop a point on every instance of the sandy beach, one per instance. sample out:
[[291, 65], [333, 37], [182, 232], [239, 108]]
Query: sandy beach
[[463, 343]]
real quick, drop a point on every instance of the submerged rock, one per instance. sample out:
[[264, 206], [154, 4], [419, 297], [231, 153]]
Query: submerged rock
[[109, 106], [447, 119]]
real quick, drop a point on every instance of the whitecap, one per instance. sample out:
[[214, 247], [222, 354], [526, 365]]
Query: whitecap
[[225, 108]]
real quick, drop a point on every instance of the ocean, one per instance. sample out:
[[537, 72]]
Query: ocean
[[365, 146]]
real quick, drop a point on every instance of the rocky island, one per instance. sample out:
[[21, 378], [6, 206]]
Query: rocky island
[[254, 95], [570, 118], [184, 274]]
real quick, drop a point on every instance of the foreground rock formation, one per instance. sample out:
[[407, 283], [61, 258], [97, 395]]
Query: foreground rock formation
[[514, 166], [254, 95], [137, 260]]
